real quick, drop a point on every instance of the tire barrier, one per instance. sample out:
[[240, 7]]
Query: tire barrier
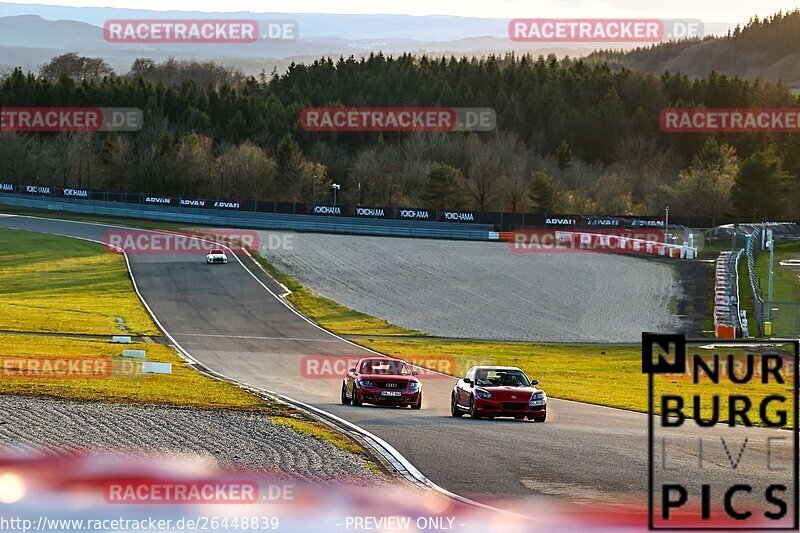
[[727, 317]]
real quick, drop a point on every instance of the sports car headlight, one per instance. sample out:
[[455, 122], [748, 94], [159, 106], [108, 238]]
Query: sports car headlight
[[413, 385], [364, 383], [483, 394], [538, 398]]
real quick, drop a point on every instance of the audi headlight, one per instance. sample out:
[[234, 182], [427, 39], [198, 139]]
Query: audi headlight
[[538, 398], [483, 394], [364, 383], [413, 385]]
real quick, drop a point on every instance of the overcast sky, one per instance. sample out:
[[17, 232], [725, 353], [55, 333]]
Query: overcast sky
[[707, 10]]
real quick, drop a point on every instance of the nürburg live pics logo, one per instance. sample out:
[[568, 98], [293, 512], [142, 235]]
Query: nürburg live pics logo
[[722, 433]]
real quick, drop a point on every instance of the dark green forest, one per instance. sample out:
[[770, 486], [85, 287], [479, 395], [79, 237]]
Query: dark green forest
[[572, 136]]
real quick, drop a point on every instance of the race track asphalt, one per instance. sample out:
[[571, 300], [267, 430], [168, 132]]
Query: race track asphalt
[[588, 454]]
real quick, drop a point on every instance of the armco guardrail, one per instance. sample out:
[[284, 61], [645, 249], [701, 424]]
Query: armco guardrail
[[727, 320], [620, 242], [257, 220], [742, 314], [754, 246]]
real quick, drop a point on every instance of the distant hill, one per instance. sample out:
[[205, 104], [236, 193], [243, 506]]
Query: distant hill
[[32, 34], [764, 48], [28, 41]]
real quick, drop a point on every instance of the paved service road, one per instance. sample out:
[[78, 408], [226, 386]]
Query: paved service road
[[226, 319]]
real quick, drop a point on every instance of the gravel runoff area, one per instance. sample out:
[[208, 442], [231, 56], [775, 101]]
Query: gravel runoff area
[[482, 290], [227, 439]]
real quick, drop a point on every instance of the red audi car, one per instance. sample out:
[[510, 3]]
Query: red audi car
[[498, 391], [382, 381]]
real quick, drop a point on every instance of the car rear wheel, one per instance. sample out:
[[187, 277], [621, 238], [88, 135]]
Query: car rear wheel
[[473, 410], [417, 405], [345, 399], [454, 410], [356, 401]]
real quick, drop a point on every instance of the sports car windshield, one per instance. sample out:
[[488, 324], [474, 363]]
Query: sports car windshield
[[389, 368], [501, 378]]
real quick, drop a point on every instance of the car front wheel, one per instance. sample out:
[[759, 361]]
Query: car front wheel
[[454, 410], [356, 401], [345, 399], [473, 410], [418, 404]]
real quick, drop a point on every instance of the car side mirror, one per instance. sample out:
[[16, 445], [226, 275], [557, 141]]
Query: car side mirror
[[534, 382], [468, 381], [353, 370], [414, 373]]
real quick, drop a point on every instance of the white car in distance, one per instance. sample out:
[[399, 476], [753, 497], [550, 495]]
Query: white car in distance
[[216, 256]]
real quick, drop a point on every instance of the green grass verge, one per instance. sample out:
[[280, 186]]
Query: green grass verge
[[53, 284], [785, 287]]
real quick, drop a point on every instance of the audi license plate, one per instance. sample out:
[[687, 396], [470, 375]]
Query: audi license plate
[[390, 393]]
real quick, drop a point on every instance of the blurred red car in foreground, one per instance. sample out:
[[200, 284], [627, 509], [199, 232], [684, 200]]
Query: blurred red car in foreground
[[382, 381]]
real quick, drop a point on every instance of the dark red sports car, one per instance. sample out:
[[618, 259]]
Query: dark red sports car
[[498, 391], [382, 381]]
